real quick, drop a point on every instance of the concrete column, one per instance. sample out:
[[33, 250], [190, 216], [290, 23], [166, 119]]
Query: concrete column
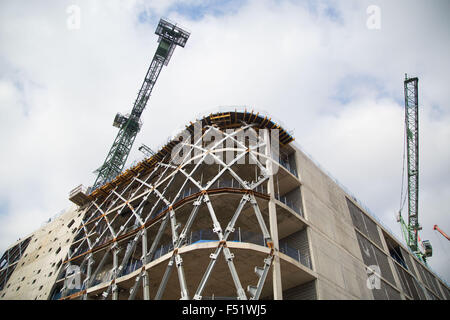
[[115, 289], [391, 263], [311, 249], [146, 286], [276, 267], [396, 277], [145, 282], [88, 274]]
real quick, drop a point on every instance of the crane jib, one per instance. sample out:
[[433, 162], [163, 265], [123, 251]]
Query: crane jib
[[129, 125]]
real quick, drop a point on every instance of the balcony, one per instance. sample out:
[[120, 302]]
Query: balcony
[[292, 200], [79, 195], [208, 235], [238, 235], [288, 162]]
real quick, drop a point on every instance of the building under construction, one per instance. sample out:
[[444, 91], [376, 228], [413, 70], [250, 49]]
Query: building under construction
[[229, 209], [232, 210]]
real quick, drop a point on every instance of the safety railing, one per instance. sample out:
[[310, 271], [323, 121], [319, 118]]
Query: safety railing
[[238, 235], [208, 235], [133, 265], [288, 167], [295, 254], [201, 235], [77, 189], [289, 203], [53, 218]]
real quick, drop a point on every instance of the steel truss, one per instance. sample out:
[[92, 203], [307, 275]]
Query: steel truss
[[412, 138], [9, 260], [121, 222], [170, 36]]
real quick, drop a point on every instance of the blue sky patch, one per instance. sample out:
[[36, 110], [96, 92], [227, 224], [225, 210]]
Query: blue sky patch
[[4, 207], [197, 11], [354, 85]]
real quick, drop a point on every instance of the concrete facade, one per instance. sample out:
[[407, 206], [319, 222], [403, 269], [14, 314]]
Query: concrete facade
[[36, 270], [197, 231]]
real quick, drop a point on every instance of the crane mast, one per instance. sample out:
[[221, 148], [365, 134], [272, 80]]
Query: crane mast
[[129, 125], [412, 152], [412, 228]]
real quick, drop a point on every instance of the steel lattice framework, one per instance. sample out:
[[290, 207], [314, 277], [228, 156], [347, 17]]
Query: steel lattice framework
[[8, 261], [412, 149], [169, 203], [129, 125]]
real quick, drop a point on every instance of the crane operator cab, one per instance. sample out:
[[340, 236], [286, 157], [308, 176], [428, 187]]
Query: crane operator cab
[[428, 249]]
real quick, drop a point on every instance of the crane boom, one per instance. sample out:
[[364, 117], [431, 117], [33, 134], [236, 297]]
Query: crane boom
[[129, 125], [441, 232]]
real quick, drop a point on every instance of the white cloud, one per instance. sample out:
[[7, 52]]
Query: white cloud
[[337, 84]]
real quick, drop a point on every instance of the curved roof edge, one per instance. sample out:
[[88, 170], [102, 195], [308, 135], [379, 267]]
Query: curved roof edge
[[223, 119]]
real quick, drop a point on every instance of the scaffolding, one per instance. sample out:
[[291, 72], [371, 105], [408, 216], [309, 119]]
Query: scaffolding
[[154, 212], [10, 259], [230, 120]]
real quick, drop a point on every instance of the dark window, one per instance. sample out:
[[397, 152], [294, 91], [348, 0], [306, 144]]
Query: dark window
[[363, 223], [373, 256], [408, 262], [396, 254], [70, 223]]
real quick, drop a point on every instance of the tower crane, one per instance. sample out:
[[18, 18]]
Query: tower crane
[[412, 227], [129, 125], [441, 232]]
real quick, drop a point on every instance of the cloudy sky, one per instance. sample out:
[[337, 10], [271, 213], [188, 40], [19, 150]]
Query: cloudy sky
[[329, 71]]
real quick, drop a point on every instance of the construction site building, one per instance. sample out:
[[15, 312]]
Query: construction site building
[[233, 210]]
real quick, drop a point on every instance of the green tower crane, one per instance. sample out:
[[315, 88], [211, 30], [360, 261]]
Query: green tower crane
[[129, 125], [412, 227]]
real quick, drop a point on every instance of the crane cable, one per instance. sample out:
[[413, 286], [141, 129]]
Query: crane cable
[[403, 197]]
